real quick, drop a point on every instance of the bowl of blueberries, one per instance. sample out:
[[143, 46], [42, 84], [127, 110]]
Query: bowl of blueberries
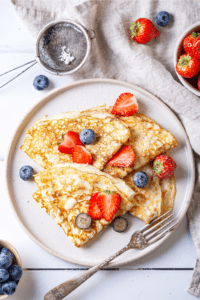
[[10, 269]]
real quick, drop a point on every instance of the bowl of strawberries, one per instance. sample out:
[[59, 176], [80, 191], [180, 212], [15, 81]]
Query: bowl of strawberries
[[187, 58]]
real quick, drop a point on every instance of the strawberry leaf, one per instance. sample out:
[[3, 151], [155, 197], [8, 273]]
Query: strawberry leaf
[[108, 192], [134, 29], [184, 60], [195, 34], [158, 167]]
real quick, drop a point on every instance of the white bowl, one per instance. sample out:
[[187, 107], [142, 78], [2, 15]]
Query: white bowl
[[177, 51], [17, 259]]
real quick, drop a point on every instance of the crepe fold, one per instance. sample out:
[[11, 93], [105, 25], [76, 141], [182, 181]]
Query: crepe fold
[[64, 191]]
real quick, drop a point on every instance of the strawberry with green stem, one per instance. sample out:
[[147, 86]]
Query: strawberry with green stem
[[143, 31], [187, 66], [189, 41], [164, 166]]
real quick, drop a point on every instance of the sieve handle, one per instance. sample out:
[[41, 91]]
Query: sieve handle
[[93, 32], [33, 63]]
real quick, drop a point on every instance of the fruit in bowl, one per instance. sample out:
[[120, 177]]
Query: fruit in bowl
[[187, 58], [10, 269]]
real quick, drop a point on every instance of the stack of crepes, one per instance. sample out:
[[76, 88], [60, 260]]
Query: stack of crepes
[[64, 187]]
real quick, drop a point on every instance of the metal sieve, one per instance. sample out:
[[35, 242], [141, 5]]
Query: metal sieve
[[58, 37]]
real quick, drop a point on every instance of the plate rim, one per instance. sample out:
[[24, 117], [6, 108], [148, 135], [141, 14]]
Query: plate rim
[[44, 100]]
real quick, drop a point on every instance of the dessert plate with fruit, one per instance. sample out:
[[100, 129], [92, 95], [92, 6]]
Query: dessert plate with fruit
[[101, 157]]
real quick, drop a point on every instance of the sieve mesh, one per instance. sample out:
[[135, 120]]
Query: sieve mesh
[[54, 39]]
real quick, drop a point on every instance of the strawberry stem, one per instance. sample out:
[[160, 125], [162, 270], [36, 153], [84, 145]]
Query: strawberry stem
[[195, 34], [108, 192], [158, 167], [134, 29], [184, 60]]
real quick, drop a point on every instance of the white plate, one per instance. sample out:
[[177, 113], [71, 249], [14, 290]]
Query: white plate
[[38, 225]]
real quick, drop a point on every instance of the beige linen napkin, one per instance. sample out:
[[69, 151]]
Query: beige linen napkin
[[150, 66]]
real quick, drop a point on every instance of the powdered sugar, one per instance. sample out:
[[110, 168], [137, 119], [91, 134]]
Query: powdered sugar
[[66, 56]]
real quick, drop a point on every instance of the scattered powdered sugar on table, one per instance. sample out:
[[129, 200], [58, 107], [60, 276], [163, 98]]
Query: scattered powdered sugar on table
[[66, 56]]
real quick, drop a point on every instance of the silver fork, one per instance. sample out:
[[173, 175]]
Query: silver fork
[[141, 239]]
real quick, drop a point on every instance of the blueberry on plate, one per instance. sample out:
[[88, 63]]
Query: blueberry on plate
[[15, 272], [41, 82], [7, 252], [5, 261], [120, 224], [87, 136], [140, 179], [9, 287], [1, 291], [26, 172], [4, 275], [163, 18], [83, 221]]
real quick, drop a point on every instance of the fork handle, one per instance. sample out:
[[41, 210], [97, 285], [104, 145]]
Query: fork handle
[[65, 288]]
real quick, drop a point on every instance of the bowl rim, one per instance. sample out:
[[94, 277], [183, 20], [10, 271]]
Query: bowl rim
[[6, 244], [179, 41]]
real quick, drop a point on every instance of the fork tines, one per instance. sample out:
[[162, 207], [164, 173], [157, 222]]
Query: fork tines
[[155, 232]]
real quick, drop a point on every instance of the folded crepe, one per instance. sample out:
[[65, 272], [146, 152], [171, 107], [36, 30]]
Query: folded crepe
[[64, 191], [43, 137], [148, 139], [156, 198]]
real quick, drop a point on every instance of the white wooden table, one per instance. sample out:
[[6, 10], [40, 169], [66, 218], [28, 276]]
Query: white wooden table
[[166, 273]]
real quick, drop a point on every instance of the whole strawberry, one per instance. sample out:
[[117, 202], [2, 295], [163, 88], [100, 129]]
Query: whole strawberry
[[196, 48], [187, 66], [198, 83], [143, 31], [164, 166], [189, 41]]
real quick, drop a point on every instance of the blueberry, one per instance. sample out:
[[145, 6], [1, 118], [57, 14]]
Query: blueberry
[[7, 252], [163, 18], [83, 221], [5, 261], [15, 272], [9, 287], [4, 275], [1, 291], [140, 179], [87, 136], [41, 82], [26, 172]]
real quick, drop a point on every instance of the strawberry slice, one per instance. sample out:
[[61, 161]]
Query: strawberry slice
[[70, 139], [125, 105], [81, 156], [125, 157], [108, 202], [93, 210]]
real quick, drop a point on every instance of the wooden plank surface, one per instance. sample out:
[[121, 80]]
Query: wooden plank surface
[[112, 285]]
